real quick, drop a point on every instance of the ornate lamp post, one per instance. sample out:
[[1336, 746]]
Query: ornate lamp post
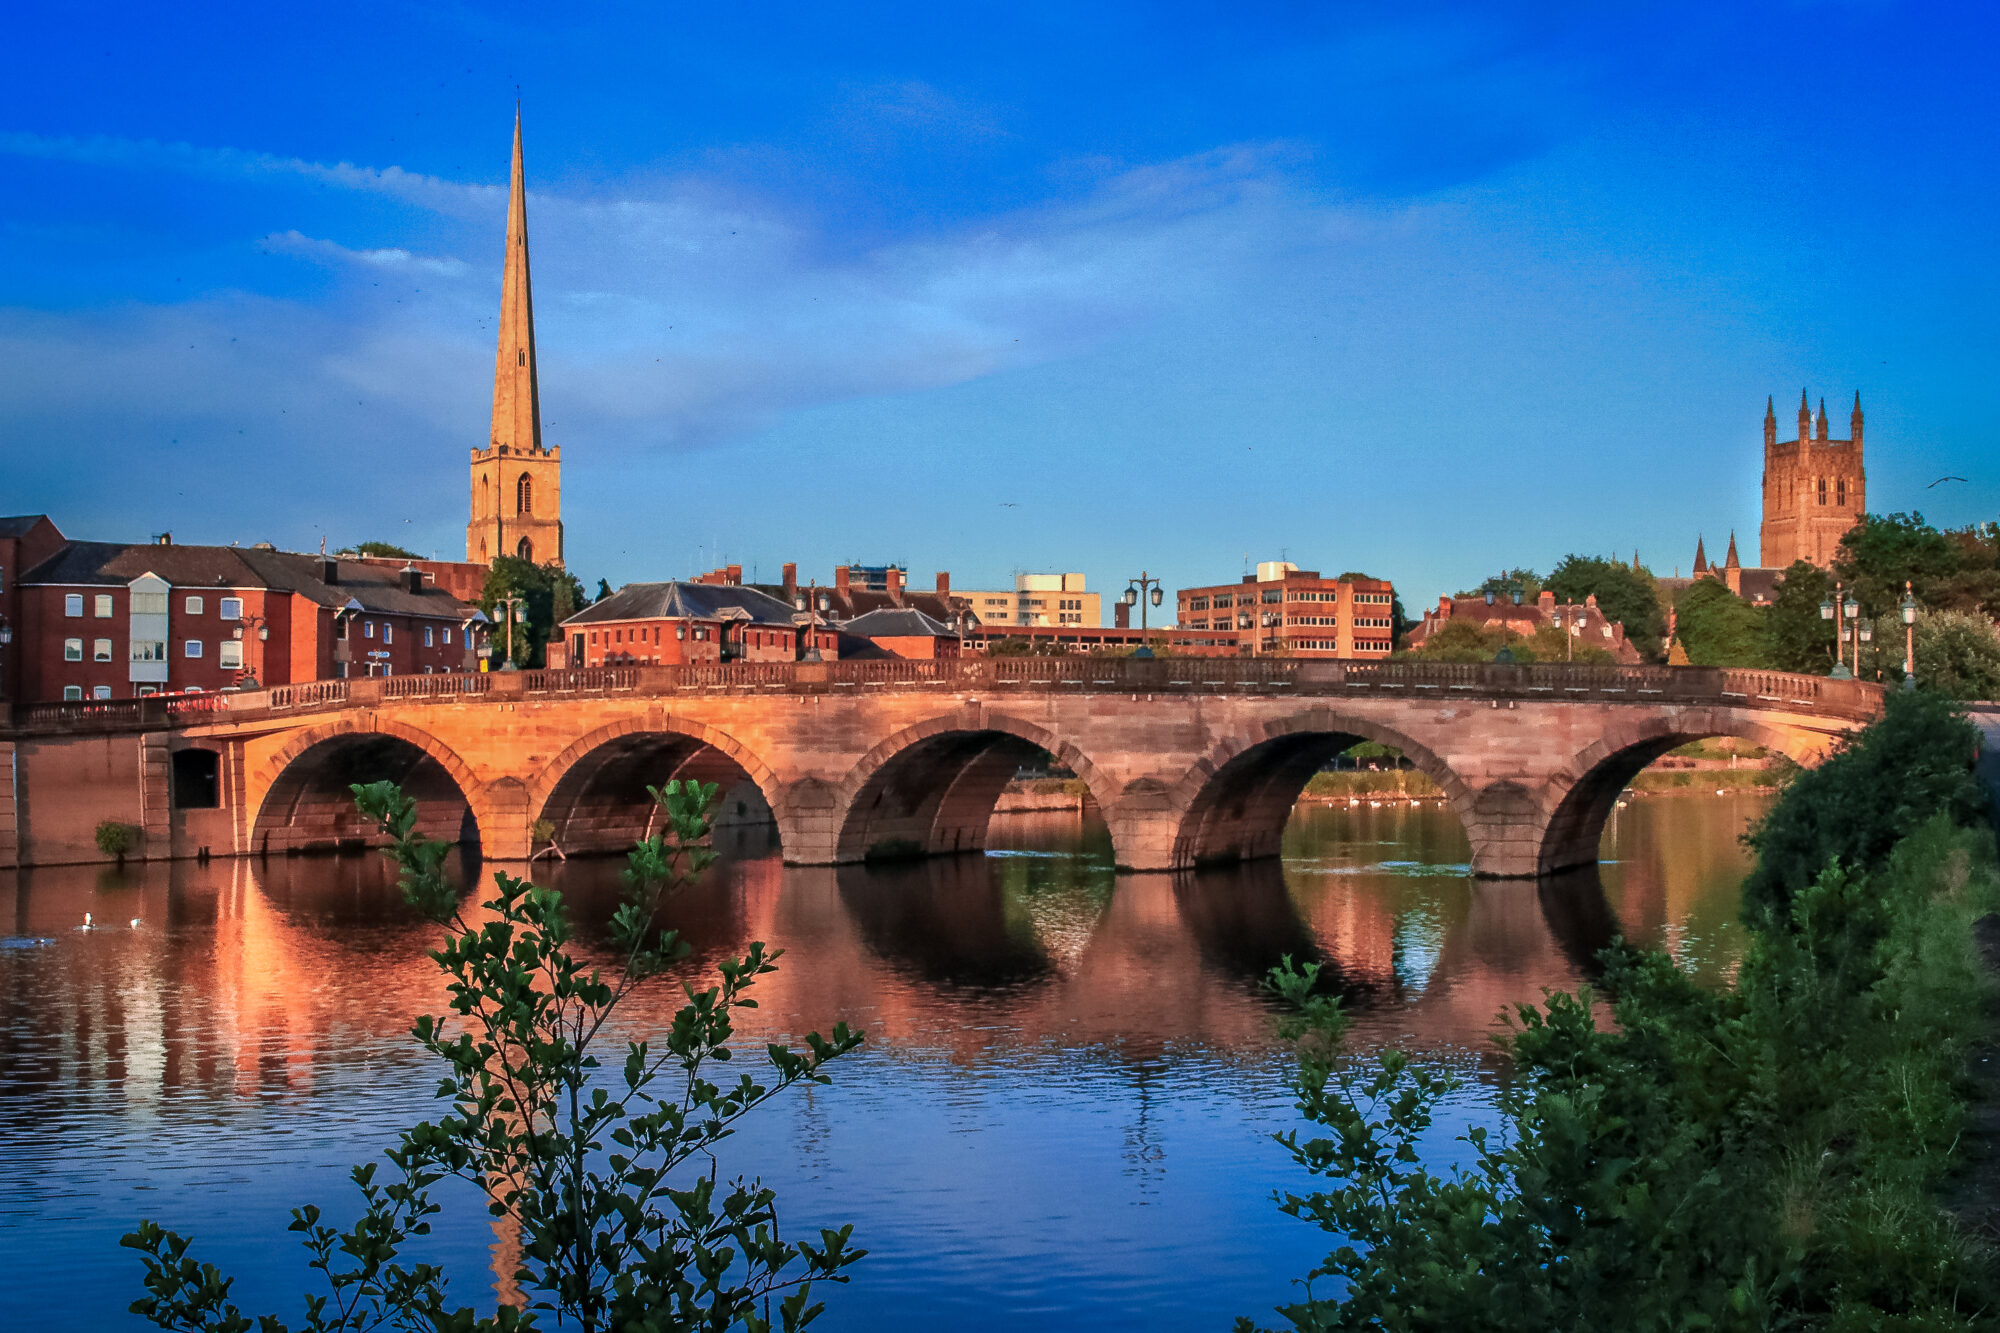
[[1908, 606], [247, 680], [1852, 609], [814, 604], [1827, 610], [1138, 592], [517, 609], [1243, 627], [1272, 621]]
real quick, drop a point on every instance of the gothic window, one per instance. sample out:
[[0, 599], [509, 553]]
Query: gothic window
[[1822, 490], [1840, 491], [524, 495], [526, 550], [485, 495]]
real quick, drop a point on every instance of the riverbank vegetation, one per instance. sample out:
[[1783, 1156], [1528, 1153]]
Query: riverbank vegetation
[[598, 1155], [1767, 1155]]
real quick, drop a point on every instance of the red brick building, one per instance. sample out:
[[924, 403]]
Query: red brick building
[[1284, 611], [905, 633], [107, 620], [1585, 624], [677, 623]]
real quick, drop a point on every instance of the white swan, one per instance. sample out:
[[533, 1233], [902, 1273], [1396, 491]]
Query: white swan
[[88, 924], [135, 923]]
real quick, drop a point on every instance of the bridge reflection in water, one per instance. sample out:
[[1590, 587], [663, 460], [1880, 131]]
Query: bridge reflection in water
[[1062, 1109]]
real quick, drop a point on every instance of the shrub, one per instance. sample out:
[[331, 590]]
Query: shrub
[[116, 839], [590, 1167]]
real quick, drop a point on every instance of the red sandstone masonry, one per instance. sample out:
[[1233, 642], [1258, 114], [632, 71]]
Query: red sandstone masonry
[[1189, 761]]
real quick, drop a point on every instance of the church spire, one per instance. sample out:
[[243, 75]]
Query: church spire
[[517, 409], [1700, 558], [1805, 418], [1770, 420], [1854, 422], [1730, 561], [1822, 421]]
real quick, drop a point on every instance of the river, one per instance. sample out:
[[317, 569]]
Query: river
[[1061, 1119]]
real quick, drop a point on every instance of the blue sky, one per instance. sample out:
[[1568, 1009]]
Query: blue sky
[[1414, 288]]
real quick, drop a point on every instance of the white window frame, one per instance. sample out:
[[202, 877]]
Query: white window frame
[[388, 632], [72, 693], [429, 632], [100, 691], [101, 606], [100, 650], [227, 649], [72, 650], [367, 629], [191, 648], [73, 606], [447, 636], [194, 606], [229, 608]]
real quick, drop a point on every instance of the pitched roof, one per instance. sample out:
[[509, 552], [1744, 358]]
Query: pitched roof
[[114, 564], [901, 624], [685, 601], [20, 525]]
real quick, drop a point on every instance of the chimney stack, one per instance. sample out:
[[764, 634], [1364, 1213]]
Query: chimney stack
[[735, 576], [944, 583], [1121, 615], [413, 578], [329, 571], [894, 578], [840, 580]]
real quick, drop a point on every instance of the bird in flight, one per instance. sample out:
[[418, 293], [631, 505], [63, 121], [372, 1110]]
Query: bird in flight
[[1942, 480], [1009, 504]]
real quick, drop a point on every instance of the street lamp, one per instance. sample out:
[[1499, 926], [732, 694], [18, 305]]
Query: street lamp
[[1851, 609], [1827, 610], [517, 610], [1139, 592], [1908, 606], [814, 604], [247, 678], [1272, 621]]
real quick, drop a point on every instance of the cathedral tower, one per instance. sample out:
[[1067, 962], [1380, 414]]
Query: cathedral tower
[[516, 483], [1815, 489]]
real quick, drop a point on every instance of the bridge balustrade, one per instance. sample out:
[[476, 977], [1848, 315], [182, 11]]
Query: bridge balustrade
[[1168, 676]]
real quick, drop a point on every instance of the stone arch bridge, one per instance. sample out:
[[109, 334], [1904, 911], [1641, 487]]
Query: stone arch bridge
[[1191, 761]]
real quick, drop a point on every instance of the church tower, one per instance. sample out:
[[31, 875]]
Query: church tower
[[1815, 488], [516, 483]]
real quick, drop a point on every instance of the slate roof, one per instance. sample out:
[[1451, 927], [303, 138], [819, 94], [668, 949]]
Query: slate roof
[[114, 564], [858, 602], [902, 624], [685, 601]]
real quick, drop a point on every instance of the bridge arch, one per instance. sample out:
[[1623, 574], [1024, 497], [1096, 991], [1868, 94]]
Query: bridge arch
[[301, 797], [930, 788], [594, 792], [1234, 803], [1582, 797]]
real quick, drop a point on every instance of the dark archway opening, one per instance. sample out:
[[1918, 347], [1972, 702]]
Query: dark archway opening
[[197, 779], [1684, 765], [938, 796], [601, 806], [310, 808]]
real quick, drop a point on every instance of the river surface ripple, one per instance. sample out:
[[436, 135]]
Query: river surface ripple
[[1061, 1119]]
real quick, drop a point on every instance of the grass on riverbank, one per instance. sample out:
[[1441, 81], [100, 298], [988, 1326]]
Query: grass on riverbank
[[1769, 1155]]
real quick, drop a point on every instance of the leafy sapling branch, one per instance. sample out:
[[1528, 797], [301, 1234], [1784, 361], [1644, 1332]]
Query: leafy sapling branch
[[598, 1153]]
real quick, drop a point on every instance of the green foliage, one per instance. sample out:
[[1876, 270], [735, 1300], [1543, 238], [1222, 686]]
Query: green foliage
[[1947, 571], [1623, 594], [552, 595], [1888, 780], [116, 839], [603, 590], [1718, 628], [1762, 1157], [382, 549], [600, 1161], [1526, 582], [1795, 638], [1958, 655], [1468, 641]]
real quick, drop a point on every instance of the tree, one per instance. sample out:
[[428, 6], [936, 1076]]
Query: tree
[[1796, 638], [1958, 655], [1526, 582], [1882, 553], [1718, 628], [608, 1177], [1623, 594], [1462, 641], [603, 590], [551, 596], [382, 549]]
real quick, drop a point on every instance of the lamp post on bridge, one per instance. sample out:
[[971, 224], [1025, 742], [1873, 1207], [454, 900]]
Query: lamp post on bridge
[[517, 610], [1138, 592], [813, 603], [1840, 610], [247, 678], [1908, 606]]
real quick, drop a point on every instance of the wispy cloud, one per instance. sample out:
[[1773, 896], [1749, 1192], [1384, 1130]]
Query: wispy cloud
[[330, 252]]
